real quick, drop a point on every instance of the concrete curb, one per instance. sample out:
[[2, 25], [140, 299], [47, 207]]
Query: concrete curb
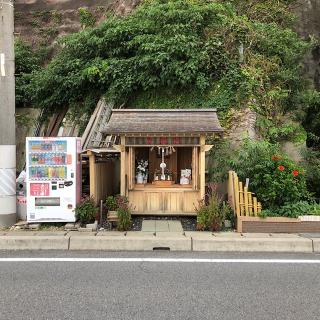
[[30, 242], [253, 245], [144, 241], [124, 243]]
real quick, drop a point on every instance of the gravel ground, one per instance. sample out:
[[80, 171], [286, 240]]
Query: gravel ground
[[188, 223]]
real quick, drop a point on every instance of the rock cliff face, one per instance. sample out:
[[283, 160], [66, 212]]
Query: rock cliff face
[[308, 24], [41, 22], [243, 125]]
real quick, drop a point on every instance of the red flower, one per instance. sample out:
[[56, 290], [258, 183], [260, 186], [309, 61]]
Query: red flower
[[281, 168], [295, 173]]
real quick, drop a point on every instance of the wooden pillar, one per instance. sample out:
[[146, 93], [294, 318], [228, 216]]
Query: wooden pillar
[[123, 162], [195, 168], [92, 176], [202, 166], [131, 168]]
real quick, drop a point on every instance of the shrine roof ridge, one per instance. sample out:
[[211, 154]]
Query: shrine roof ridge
[[166, 110], [143, 121]]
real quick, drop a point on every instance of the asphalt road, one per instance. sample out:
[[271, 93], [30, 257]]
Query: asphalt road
[[158, 290]]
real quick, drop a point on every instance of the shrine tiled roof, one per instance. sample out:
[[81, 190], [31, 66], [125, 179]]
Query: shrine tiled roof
[[159, 121]]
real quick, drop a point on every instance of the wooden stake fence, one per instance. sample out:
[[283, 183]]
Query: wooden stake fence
[[240, 199]]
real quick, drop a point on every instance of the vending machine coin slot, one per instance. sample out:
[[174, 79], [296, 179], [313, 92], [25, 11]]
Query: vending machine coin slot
[[68, 183]]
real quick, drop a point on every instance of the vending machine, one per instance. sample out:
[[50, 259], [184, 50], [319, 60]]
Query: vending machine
[[53, 170]]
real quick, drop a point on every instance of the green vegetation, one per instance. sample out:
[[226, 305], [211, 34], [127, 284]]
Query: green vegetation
[[124, 213], [212, 212], [224, 54], [26, 62], [220, 160], [87, 19], [111, 203], [293, 210], [311, 164], [275, 178], [86, 211]]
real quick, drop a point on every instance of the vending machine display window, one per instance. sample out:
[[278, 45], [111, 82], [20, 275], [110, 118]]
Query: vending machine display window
[[53, 178]]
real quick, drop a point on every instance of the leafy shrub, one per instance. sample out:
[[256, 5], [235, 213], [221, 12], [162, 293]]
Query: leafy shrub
[[210, 214], [86, 211], [275, 178], [111, 203], [26, 61], [293, 210], [282, 129], [179, 46], [311, 164], [310, 101], [220, 157], [87, 19], [124, 213]]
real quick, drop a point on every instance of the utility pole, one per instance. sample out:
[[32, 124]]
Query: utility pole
[[7, 116]]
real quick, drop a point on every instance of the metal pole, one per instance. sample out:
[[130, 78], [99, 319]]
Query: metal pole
[[7, 116]]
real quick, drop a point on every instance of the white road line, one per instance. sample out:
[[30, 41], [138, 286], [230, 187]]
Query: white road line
[[162, 260]]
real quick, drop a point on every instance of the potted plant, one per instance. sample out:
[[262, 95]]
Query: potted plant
[[111, 204], [229, 216], [86, 211]]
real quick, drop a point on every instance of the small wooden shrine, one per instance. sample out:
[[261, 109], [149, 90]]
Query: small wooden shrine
[[162, 169]]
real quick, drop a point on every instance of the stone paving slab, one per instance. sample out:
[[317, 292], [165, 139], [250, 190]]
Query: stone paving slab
[[175, 226], [162, 226], [148, 226]]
